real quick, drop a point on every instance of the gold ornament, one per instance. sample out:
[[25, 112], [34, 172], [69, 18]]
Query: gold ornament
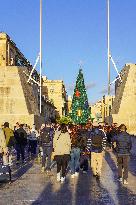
[[79, 113]]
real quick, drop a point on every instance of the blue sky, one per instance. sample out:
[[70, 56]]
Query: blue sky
[[73, 31]]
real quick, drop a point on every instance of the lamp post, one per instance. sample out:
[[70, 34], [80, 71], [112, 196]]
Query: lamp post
[[108, 43], [40, 56]]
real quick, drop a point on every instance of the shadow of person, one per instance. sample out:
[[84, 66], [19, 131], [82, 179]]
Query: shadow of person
[[21, 171], [125, 196], [132, 165], [89, 191], [51, 197]]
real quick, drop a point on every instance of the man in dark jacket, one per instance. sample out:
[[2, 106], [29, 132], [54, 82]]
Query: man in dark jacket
[[46, 137], [21, 141], [123, 147]]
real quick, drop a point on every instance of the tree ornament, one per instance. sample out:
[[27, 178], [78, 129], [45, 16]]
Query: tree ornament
[[77, 93], [79, 113]]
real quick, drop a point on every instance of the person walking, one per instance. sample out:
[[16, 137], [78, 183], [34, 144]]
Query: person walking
[[3, 148], [75, 152], [45, 141], [83, 134], [10, 140], [33, 137], [96, 143], [21, 141], [123, 147], [62, 149]]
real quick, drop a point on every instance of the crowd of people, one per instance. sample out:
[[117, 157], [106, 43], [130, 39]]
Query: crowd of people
[[74, 148]]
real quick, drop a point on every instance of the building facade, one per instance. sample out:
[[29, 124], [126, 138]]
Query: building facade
[[107, 104], [96, 111], [19, 100], [69, 104], [123, 110], [55, 91]]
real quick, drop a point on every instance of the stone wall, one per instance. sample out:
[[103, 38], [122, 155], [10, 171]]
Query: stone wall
[[18, 99], [124, 111]]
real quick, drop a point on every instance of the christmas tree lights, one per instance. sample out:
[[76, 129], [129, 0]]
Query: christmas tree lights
[[80, 106]]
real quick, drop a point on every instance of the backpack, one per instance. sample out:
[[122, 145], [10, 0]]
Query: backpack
[[97, 140], [45, 136]]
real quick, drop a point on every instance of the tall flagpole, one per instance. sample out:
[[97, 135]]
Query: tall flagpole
[[40, 56], [108, 42]]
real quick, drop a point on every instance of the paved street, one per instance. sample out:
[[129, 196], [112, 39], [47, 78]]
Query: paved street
[[32, 187]]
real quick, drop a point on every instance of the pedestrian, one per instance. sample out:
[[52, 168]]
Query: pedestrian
[[123, 147], [32, 141], [3, 148], [10, 140], [96, 144], [75, 152], [45, 140], [113, 132], [109, 137], [21, 142], [83, 134], [62, 149]]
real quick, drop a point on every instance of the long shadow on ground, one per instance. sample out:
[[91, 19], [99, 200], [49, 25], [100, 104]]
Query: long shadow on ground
[[90, 191], [125, 195], [85, 190], [61, 197]]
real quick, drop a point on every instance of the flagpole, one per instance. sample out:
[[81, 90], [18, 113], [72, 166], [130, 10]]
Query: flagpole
[[108, 42], [40, 56]]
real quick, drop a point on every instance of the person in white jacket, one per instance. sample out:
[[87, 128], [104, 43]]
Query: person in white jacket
[[62, 149]]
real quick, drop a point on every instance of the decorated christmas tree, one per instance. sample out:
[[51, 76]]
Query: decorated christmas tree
[[80, 107]]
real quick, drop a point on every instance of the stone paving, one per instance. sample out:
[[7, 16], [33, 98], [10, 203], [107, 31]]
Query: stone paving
[[31, 187]]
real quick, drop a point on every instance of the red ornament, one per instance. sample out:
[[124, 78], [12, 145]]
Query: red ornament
[[77, 93]]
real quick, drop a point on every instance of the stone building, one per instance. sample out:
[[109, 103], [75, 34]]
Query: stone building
[[96, 111], [124, 105], [107, 104], [48, 110], [56, 93], [19, 100], [69, 103]]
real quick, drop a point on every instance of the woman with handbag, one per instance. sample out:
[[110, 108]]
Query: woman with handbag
[[62, 149]]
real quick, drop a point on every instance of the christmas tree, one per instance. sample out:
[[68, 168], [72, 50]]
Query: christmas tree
[[80, 107]]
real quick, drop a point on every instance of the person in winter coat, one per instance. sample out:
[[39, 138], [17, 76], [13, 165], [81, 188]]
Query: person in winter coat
[[75, 152], [83, 133], [96, 143], [10, 140], [3, 148], [62, 149], [45, 140], [123, 147], [32, 137], [21, 141]]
